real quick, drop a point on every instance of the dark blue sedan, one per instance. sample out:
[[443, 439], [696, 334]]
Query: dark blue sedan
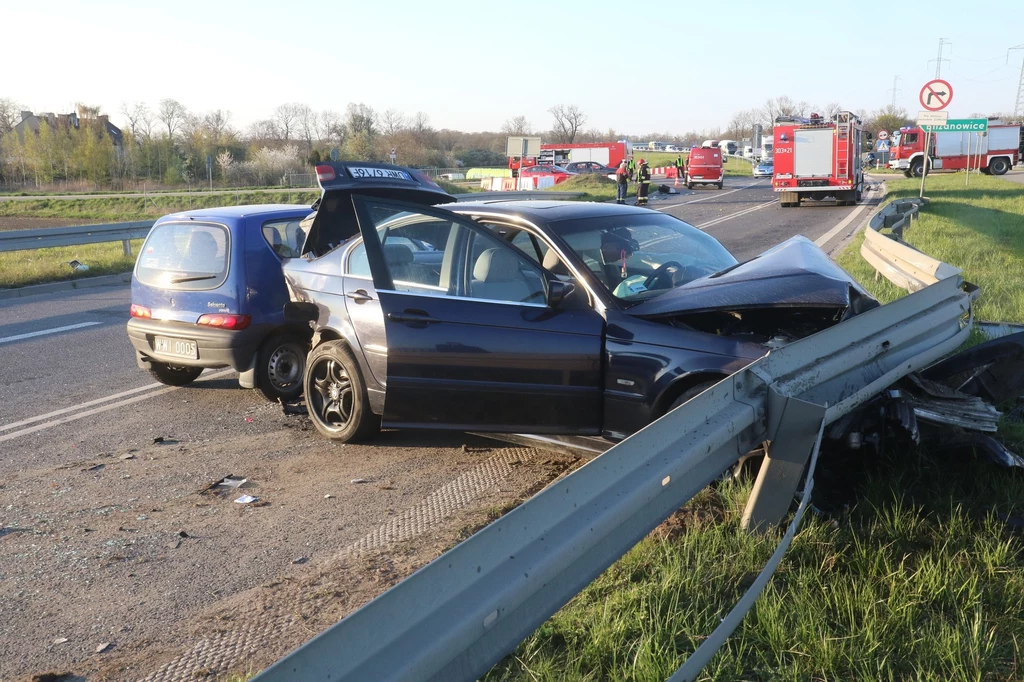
[[208, 291], [531, 316]]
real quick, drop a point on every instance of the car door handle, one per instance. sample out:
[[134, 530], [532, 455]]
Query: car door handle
[[411, 316], [359, 296]]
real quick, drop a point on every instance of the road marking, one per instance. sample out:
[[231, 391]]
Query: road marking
[[710, 196], [824, 239], [97, 410], [44, 332], [737, 214]]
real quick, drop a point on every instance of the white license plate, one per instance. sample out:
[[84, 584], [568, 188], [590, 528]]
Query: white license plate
[[179, 347], [361, 173], [698, 177]]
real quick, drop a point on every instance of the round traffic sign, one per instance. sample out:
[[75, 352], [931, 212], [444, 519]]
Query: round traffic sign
[[936, 95], [883, 135]]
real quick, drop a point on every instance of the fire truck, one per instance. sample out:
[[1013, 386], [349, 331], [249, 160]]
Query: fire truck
[[606, 153], [994, 152], [818, 158]]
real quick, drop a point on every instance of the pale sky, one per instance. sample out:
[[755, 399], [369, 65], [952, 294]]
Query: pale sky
[[673, 67]]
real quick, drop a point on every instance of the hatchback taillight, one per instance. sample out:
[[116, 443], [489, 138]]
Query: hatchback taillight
[[225, 321], [325, 173], [141, 311]]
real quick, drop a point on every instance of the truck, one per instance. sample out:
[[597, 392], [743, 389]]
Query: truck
[[704, 167], [764, 152], [818, 158], [994, 152], [729, 147], [606, 153]]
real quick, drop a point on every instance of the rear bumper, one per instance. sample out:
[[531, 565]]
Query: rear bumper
[[214, 347]]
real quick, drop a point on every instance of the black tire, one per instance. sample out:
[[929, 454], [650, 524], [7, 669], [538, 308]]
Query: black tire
[[280, 366], [916, 168], [172, 375], [689, 185], [721, 185], [999, 166], [336, 394]]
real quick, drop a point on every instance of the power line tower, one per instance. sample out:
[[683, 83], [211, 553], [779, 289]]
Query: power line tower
[[938, 60], [895, 90], [1018, 107]]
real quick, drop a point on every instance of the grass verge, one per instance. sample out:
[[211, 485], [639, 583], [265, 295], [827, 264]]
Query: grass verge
[[922, 579], [38, 266], [733, 166]]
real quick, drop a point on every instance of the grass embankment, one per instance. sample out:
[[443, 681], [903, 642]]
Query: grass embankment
[[921, 579], [22, 268], [733, 165]]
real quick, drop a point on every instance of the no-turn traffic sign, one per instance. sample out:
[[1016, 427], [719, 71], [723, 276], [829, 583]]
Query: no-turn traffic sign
[[936, 95], [883, 135]]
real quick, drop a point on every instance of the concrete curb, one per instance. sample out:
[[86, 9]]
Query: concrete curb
[[67, 285]]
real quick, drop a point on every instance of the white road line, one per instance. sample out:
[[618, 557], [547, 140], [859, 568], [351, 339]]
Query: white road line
[[715, 195], [57, 413], [737, 214], [44, 332], [824, 239], [97, 410]]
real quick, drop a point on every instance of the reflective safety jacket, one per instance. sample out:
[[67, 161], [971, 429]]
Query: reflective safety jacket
[[644, 175]]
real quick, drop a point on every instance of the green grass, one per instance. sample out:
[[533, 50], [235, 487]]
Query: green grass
[[733, 166], [979, 229], [120, 209], [22, 268], [595, 187], [919, 581]]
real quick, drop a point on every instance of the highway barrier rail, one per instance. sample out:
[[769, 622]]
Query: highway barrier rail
[[462, 613], [19, 240]]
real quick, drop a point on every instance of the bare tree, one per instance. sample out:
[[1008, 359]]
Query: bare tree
[[360, 118], [10, 112], [779, 106], [286, 118], [392, 122], [831, 109], [135, 113], [569, 120], [172, 113], [330, 128], [261, 132], [517, 125]]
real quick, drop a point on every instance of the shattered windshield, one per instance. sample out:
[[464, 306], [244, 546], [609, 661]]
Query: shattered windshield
[[639, 257]]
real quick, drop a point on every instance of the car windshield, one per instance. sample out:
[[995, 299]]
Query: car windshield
[[638, 257]]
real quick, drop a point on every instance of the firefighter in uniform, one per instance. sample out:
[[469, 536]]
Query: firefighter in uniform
[[622, 181], [643, 177]]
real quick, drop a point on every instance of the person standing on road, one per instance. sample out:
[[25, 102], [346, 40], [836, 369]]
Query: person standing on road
[[680, 167], [643, 176], [622, 180], [632, 168]]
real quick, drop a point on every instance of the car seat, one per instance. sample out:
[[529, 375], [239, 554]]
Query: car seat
[[399, 258], [202, 252], [496, 277]]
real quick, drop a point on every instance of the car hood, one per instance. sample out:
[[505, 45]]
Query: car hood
[[794, 274]]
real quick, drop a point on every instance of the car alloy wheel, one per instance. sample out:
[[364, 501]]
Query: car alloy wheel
[[332, 394], [335, 393]]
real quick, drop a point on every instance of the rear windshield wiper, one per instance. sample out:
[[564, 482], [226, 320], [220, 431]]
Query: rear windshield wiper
[[194, 278]]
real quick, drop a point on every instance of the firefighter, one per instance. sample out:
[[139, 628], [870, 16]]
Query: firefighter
[[643, 177], [632, 169], [622, 181], [680, 168]]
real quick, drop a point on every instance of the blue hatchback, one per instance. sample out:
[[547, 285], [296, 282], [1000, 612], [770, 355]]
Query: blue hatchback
[[208, 291]]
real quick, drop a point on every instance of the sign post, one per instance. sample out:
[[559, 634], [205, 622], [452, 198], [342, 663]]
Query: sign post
[[393, 155], [522, 147], [934, 97]]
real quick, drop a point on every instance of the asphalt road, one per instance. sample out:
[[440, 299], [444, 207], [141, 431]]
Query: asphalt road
[[70, 392]]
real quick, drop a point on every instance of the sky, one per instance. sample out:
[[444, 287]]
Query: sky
[[677, 66]]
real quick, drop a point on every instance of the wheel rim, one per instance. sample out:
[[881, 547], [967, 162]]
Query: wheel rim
[[284, 368], [332, 397]]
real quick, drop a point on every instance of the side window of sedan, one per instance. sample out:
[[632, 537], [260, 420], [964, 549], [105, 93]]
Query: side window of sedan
[[430, 254]]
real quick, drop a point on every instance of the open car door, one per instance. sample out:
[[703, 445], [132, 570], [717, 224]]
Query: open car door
[[476, 339]]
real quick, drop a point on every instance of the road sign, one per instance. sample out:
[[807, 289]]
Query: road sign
[[392, 155], [932, 118], [883, 145], [962, 125], [936, 95], [522, 146], [883, 135], [334, 154]]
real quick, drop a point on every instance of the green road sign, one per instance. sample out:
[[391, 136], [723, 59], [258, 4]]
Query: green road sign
[[961, 125]]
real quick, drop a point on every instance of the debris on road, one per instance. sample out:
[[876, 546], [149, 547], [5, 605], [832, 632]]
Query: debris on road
[[78, 266], [231, 481], [249, 420], [161, 440], [104, 647], [95, 467], [51, 677], [294, 408], [301, 560], [246, 499], [127, 456], [359, 480], [183, 534], [328, 496], [61, 640]]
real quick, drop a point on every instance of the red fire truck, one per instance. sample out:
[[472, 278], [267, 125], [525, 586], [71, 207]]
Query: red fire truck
[[818, 158], [605, 153], [995, 152]]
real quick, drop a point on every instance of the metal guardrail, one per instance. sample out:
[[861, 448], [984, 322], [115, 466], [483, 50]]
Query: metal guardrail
[[893, 258], [458, 616], [20, 240]]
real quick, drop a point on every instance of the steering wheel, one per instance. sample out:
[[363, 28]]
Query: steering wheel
[[661, 272]]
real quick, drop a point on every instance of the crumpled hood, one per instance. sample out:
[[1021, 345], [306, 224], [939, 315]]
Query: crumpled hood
[[794, 274]]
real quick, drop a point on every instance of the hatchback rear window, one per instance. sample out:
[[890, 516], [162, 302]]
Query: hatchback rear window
[[189, 256]]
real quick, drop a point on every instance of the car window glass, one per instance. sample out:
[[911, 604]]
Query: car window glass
[[524, 243], [357, 263], [285, 237], [431, 254], [187, 256]]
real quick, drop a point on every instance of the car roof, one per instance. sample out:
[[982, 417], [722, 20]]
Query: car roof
[[244, 211], [547, 211]]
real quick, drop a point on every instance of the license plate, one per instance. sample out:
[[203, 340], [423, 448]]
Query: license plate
[[698, 177], [178, 347], [361, 173]]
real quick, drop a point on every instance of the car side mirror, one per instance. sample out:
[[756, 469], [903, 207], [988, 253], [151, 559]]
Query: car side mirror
[[301, 312], [558, 291]]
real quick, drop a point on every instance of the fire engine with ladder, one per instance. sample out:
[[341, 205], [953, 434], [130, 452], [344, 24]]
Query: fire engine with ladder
[[818, 158]]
